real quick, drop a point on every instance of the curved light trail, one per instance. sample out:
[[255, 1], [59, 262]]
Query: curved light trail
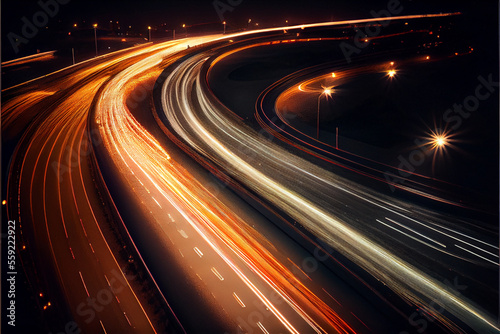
[[299, 188], [226, 260]]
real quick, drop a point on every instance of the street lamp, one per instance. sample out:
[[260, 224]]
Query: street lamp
[[149, 28], [327, 92], [95, 37], [224, 23], [186, 29]]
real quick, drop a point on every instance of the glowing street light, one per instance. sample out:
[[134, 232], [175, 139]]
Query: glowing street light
[[95, 37], [149, 29], [185, 28], [327, 92], [438, 140], [224, 23]]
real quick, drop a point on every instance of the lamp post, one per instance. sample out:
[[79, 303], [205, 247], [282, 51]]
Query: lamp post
[[326, 91], [95, 37], [186, 29], [149, 28], [224, 23]]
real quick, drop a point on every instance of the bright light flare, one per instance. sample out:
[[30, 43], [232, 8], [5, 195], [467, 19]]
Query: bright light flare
[[439, 140], [391, 73]]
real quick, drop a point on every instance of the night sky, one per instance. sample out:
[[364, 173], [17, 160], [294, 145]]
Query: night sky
[[191, 12], [175, 12]]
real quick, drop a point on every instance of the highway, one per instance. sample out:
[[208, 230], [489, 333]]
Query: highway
[[209, 241], [376, 232], [52, 195], [83, 160]]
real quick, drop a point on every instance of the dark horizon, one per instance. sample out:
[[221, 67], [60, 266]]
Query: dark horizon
[[173, 14]]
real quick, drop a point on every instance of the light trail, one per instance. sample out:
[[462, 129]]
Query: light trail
[[55, 195], [135, 152], [145, 165], [218, 136]]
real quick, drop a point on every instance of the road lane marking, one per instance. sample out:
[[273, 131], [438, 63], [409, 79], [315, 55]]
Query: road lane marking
[[125, 314], [409, 236], [262, 328], [73, 255], [184, 235], [157, 202], [238, 299], [482, 257], [104, 329], [420, 234], [200, 254], [483, 250], [216, 273], [84, 285], [446, 228]]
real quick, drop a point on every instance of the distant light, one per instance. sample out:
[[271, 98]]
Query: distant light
[[74, 25], [41, 295], [124, 40], [24, 247], [456, 53], [224, 23], [48, 304], [392, 73], [45, 307], [439, 140], [392, 63], [4, 202], [430, 32], [333, 75], [184, 26], [366, 40], [69, 33], [95, 25], [428, 57], [149, 27], [327, 91], [406, 23]]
